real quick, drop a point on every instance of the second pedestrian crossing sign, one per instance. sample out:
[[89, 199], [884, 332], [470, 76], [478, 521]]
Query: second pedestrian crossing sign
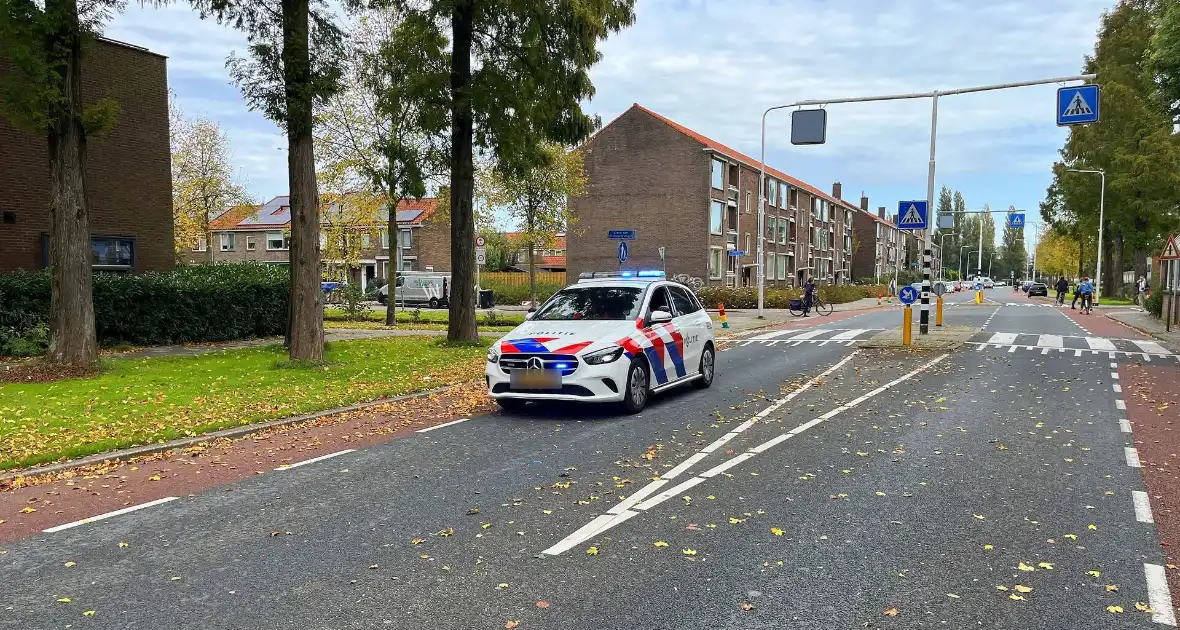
[[1077, 105]]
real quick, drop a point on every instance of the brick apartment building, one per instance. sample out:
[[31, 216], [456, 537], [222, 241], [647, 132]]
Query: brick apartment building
[[698, 199], [128, 176], [881, 247], [262, 234]]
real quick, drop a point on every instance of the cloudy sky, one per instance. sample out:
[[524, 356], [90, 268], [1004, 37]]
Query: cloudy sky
[[714, 65]]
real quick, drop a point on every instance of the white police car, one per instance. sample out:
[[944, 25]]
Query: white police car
[[612, 337]]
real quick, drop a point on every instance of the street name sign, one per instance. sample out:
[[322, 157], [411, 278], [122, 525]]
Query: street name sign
[[621, 235]]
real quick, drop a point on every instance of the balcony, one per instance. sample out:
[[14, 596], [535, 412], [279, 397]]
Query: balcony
[[731, 196]]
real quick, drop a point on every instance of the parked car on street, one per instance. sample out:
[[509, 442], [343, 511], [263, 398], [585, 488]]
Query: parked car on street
[[424, 288]]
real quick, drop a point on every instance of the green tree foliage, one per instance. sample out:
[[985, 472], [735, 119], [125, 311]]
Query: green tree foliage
[[1013, 255], [501, 254], [518, 74], [1164, 58]]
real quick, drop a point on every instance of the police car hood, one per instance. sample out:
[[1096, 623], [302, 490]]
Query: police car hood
[[566, 336]]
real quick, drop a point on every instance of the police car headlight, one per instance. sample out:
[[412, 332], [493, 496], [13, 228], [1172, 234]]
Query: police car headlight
[[493, 355], [606, 355]]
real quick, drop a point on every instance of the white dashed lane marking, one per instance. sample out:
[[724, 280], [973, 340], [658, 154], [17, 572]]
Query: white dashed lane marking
[[102, 517], [1132, 456], [1119, 404], [1142, 507], [1158, 595], [439, 426], [316, 459]]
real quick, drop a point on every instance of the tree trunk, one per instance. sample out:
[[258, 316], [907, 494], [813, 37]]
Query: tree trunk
[[1140, 264], [461, 325], [1117, 257], [395, 245], [72, 336], [306, 324], [1081, 257], [532, 213]]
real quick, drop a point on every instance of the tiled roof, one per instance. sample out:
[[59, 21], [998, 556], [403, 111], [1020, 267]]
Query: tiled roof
[[276, 213], [738, 155], [553, 261]]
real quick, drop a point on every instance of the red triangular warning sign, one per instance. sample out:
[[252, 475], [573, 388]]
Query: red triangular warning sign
[[1171, 249]]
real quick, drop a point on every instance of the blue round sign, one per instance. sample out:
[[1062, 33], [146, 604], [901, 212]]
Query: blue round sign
[[978, 286], [908, 295]]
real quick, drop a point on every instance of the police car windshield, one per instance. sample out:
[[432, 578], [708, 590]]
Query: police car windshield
[[592, 303]]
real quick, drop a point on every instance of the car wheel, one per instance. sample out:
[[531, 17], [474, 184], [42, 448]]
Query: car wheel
[[433, 303], [638, 387], [708, 360], [512, 405]]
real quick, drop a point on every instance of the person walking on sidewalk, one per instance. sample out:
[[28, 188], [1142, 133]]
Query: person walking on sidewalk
[[1062, 288], [1141, 292], [1086, 291], [808, 296], [893, 287]]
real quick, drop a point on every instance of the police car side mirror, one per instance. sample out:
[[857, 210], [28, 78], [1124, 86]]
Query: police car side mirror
[[660, 317], [530, 313]]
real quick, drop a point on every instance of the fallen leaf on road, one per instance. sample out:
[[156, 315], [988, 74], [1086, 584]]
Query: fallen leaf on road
[[988, 547], [1045, 565], [546, 511], [953, 596], [28, 510], [65, 600], [123, 544], [1141, 607], [711, 498], [1017, 597], [70, 564], [1020, 588], [1092, 527], [486, 525], [447, 532], [593, 551], [747, 606], [1093, 573], [154, 478], [542, 604], [660, 543], [472, 511], [511, 624], [1024, 567], [1112, 588], [880, 494], [776, 531], [1071, 536], [735, 521], [176, 578], [1001, 588], [88, 613], [689, 552], [1114, 609], [502, 585], [417, 541], [891, 612], [978, 516]]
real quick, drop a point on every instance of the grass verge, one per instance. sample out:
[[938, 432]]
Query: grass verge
[[372, 325], [140, 401], [407, 316]]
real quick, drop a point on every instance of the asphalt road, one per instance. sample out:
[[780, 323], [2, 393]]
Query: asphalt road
[[909, 488]]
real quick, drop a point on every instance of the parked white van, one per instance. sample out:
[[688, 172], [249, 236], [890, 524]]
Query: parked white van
[[430, 288]]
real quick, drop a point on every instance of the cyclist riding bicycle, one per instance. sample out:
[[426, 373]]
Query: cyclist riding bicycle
[[1062, 289], [1086, 291]]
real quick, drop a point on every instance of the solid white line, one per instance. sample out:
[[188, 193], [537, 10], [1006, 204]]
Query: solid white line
[[1142, 506], [669, 493], [1124, 426], [439, 426], [315, 459], [778, 439], [577, 537], [720, 468], [107, 515], [1158, 595], [1132, 456], [719, 442], [684, 465], [1119, 404], [642, 494]]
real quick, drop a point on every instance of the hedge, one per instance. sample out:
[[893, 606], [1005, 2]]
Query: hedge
[[189, 304], [514, 294], [747, 297]]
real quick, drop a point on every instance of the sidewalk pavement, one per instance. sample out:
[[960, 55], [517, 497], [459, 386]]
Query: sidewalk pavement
[[1148, 324]]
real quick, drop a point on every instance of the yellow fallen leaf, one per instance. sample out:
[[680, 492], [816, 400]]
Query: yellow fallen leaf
[[502, 585], [1112, 588], [953, 596], [1017, 597], [1020, 588], [776, 531], [735, 521], [1045, 565], [28, 510], [71, 564], [660, 543], [711, 498], [486, 525], [1024, 567], [123, 544], [1094, 573], [546, 511], [1001, 588], [1071, 536], [447, 532], [511, 624], [417, 541], [689, 552], [891, 612], [880, 494], [593, 551], [862, 454], [154, 478], [88, 613], [988, 547], [1114, 609], [65, 600], [978, 516], [1141, 607], [1092, 527]]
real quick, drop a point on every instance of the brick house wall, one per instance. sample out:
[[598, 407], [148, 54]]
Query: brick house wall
[[642, 175], [128, 170]]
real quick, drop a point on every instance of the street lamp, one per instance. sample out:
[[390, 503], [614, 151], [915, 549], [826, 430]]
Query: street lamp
[[961, 261], [1101, 215]]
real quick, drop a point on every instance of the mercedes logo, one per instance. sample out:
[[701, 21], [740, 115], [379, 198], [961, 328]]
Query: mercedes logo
[[535, 363]]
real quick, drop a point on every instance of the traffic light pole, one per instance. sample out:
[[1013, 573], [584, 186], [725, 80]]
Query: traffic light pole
[[926, 251]]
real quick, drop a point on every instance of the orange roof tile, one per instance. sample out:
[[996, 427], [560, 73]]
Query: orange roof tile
[[231, 217]]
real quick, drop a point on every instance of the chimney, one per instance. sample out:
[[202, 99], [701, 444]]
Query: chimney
[[881, 212], [864, 202], [836, 190]]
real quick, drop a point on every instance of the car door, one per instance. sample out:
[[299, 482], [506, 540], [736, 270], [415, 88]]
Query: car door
[[690, 321], [659, 343]]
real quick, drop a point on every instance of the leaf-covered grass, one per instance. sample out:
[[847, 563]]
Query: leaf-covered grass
[[407, 316], [372, 325], [139, 401]]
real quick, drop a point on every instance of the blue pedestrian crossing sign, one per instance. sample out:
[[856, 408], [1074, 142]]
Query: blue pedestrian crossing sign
[[908, 295], [624, 251], [1077, 105], [1016, 220], [912, 215]]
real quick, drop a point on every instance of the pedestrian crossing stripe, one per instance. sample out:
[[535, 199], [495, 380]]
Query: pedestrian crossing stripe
[[1074, 344], [1078, 106], [912, 216], [1077, 352], [796, 337]]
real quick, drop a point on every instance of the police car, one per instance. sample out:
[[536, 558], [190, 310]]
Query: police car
[[615, 337]]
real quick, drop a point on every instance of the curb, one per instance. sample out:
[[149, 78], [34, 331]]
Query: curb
[[234, 432], [1167, 343]]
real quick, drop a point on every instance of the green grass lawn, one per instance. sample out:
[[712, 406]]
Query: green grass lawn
[[425, 318], [139, 401]]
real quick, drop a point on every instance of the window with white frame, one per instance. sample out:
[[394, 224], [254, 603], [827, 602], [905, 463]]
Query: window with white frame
[[748, 202], [407, 239], [716, 211], [716, 264], [782, 231], [250, 244], [772, 192], [277, 241], [228, 240], [366, 240], [782, 266], [717, 176], [384, 235], [201, 244]]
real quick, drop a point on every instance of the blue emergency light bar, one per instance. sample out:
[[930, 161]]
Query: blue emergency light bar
[[644, 273]]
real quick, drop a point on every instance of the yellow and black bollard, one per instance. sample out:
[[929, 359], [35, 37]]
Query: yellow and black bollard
[[907, 322], [938, 313]]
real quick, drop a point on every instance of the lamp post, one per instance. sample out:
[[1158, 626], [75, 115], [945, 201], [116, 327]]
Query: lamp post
[[961, 261], [1101, 216]]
